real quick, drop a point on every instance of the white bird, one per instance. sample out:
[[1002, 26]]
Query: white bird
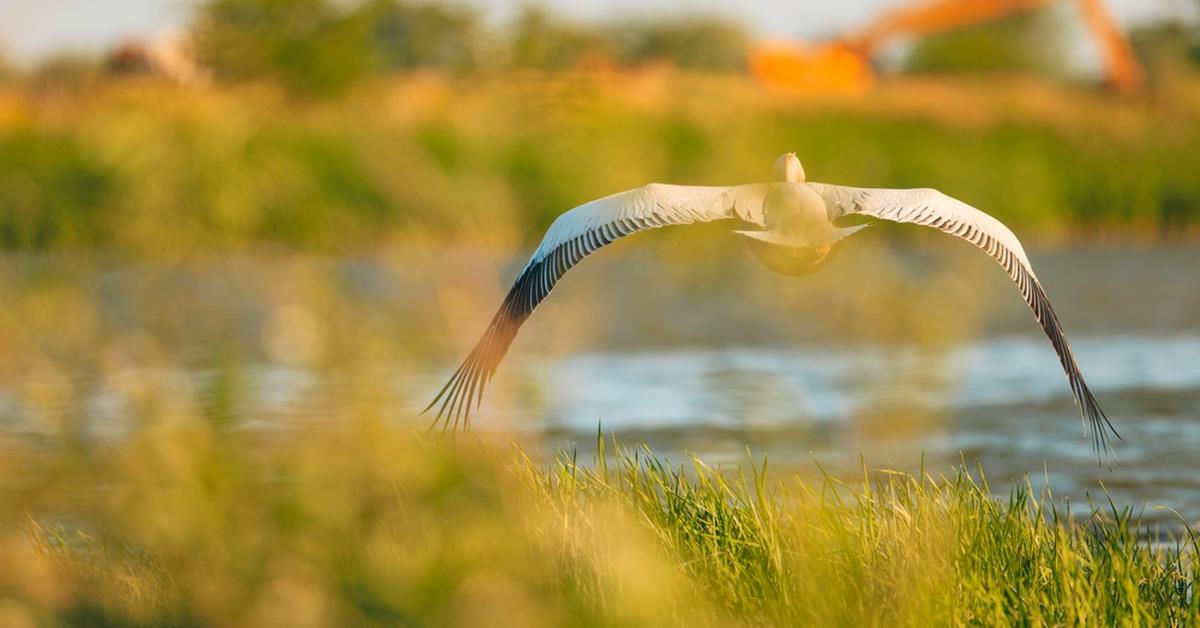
[[797, 222]]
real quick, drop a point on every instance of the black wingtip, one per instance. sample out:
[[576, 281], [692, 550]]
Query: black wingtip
[[1098, 423], [448, 400], [463, 393], [442, 392]]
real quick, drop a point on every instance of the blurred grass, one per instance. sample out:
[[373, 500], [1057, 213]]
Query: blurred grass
[[354, 522], [145, 168]]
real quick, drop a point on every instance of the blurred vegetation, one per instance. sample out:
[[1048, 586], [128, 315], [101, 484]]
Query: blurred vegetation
[[189, 523], [691, 43], [1169, 48], [405, 35], [541, 39], [311, 46], [1023, 42], [147, 167], [1034, 43], [322, 48], [333, 126], [7, 73]]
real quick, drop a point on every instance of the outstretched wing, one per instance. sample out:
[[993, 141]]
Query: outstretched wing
[[931, 208], [571, 237]]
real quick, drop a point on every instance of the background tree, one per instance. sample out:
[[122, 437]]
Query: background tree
[[408, 35], [1021, 43], [542, 40], [695, 43], [1168, 48], [7, 73], [310, 46]]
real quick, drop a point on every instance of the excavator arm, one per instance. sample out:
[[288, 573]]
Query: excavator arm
[[1124, 72], [929, 18], [844, 65]]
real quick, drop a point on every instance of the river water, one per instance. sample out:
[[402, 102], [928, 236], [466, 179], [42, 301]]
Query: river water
[[800, 379], [887, 358]]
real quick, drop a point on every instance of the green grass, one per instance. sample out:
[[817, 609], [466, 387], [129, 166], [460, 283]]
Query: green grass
[[190, 523]]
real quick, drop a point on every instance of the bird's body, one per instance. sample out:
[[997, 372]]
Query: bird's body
[[790, 224], [796, 232], [795, 215]]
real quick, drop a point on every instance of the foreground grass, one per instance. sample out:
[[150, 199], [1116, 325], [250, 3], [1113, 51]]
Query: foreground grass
[[185, 524]]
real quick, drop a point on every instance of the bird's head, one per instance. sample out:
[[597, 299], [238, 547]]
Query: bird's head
[[788, 169]]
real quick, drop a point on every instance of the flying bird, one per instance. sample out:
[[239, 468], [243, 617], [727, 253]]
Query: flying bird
[[791, 226]]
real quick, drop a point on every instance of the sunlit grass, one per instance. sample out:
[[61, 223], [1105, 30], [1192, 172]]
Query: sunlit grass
[[190, 523]]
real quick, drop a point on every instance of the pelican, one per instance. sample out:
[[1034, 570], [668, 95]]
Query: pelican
[[793, 225]]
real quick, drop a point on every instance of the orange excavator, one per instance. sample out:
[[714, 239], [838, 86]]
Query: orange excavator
[[845, 65]]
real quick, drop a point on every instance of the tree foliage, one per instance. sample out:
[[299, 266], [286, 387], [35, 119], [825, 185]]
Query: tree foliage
[[407, 35], [310, 46], [539, 39], [1026, 42], [323, 47], [1168, 47], [697, 43]]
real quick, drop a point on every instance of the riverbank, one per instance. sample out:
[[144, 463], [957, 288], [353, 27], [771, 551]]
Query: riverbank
[[153, 169]]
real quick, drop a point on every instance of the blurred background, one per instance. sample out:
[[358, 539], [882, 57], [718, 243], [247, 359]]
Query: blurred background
[[260, 215]]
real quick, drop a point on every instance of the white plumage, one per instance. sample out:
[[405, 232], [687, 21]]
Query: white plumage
[[796, 224]]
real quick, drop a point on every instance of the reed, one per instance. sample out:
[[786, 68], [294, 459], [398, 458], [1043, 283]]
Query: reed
[[361, 522]]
